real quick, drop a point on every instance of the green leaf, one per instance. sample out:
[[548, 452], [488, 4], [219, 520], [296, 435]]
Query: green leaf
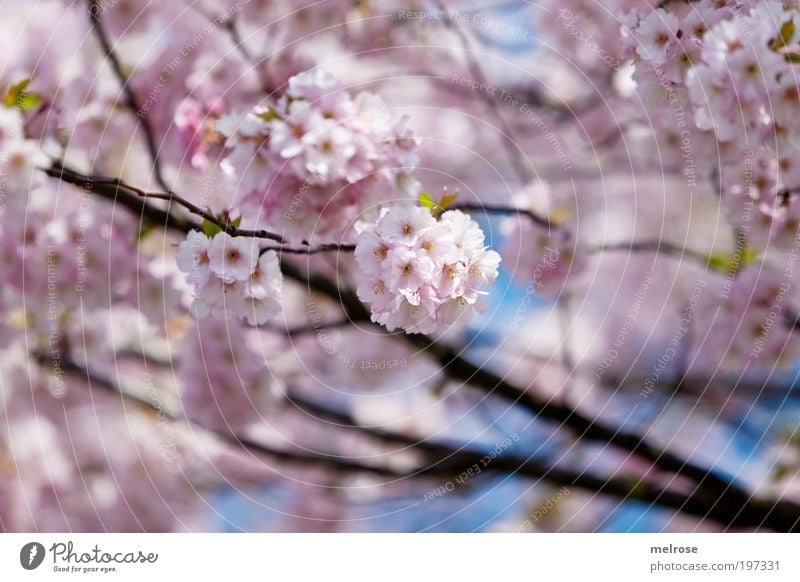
[[13, 93], [436, 208], [793, 58], [638, 489], [720, 262], [18, 97], [210, 229], [447, 200], [749, 254], [236, 223], [426, 200], [28, 101], [784, 37], [144, 230], [725, 263], [268, 115], [559, 215], [779, 472]]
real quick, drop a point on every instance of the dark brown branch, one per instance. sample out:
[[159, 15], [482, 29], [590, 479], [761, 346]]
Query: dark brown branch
[[664, 3], [116, 191], [779, 515], [135, 199], [653, 246], [519, 163], [210, 217], [229, 26], [459, 369], [354, 310], [342, 419], [313, 250], [506, 210], [256, 63], [715, 491], [132, 102], [305, 329]]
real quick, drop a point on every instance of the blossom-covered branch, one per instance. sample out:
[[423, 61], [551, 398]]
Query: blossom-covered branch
[[448, 463]]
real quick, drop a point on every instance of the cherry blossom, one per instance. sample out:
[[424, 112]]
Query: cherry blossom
[[318, 158], [421, 274], [231, 277], [211, 222]]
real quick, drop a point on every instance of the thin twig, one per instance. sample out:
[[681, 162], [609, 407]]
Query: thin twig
[[450, 463], [508, 210], [313, 250], [132, 102], [305, 329], [519, 163], [717, 491], [133, 197], [118, 190], [654, 246]]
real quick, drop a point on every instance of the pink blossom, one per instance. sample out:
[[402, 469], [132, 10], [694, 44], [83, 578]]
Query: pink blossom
[[657, 35], [420, 274], [232, 258]]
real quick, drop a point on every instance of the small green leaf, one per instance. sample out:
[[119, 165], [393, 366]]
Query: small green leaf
[[779, 472], [793, 58], [719, 262], [18, 97], [784, 37], [210, 229], [749, 254], [560, 215], [236, 223], [436, 208], [426, 200], [638, 489], [144, 230], [725, 263], [268, 115], [28, 101], [13, 93], [447, 200]]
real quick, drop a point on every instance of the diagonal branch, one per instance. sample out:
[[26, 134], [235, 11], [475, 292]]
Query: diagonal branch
[[779, 515], [135, 199], [459, 369], [505, 210], [655, 246], [116, 191], [132, 102], [519, 163], [715, 490]]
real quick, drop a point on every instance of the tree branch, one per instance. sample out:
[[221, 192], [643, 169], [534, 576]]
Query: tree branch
[[714, 490], [519, 163], [134, 198], [506, 210], [116, 191], [132, 102], [655, 246], [779, 515]]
